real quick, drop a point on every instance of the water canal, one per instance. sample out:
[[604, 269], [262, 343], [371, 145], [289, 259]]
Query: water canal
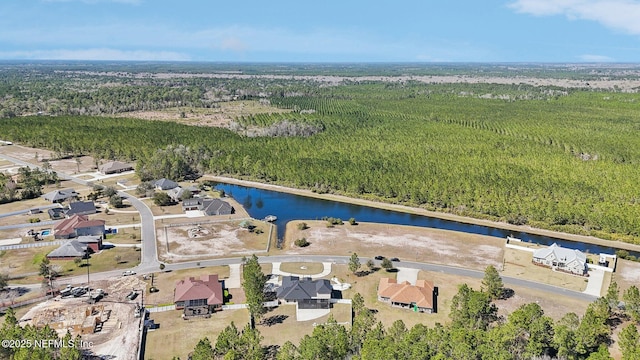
[[260, 202]]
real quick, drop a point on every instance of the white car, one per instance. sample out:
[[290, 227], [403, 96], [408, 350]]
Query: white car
[[128, 272]]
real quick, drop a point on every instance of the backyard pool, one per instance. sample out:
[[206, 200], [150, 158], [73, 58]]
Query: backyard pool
[[45, 232]]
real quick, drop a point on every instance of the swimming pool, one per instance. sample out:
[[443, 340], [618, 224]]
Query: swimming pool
[[45, 232]]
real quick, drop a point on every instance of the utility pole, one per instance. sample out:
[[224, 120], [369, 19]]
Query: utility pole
[[87, 255]]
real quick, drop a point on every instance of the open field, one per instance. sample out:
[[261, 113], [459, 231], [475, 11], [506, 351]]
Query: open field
[[125, 236], [220, 116], [405, 242], [23, 261], [518, 264], [166, 282], [209, 239], [105, 260], [178, 337]]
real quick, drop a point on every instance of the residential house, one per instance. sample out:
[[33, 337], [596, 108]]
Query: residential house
[[199, 296], [208, 206], [176, 193], [563, 259], [56, 213], [58, 196], [422, 296], [114, 167], [306, 293], [165, 184], [92, 242], [81, 208], [78, 225], [69, 250]]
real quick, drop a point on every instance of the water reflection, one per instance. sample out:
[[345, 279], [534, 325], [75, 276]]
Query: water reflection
[[289, 207]]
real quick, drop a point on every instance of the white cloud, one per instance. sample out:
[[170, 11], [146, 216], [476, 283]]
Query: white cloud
[[621, 15], [94, 54], [596, 58]]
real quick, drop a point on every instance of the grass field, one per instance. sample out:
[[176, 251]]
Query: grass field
[[178, 337], [306, 268]]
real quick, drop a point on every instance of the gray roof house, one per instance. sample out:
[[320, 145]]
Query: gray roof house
[[114, 167], [306, 293], [57, 196], [176, 193], [70, 249], [165, 184], [81, 208], [208, 206], [563, 259]]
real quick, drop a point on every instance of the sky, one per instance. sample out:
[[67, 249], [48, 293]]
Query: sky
[[322, 31]]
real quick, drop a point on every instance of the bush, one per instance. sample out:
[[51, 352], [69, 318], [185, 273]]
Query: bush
[[302, 242], [622, 254], [303, 226], [352, 221], [34, 220]]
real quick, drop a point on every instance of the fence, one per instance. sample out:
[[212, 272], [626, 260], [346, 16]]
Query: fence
[[5, 306], [161, 308]]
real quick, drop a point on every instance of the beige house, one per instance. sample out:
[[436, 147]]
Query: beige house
[[563, 259]]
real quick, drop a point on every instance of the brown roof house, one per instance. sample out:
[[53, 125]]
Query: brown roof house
[[422, 296], [199, 297], [69, 250], [78, 225], [114, 167]]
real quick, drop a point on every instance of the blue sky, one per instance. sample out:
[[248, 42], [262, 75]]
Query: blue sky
[[322, 31]]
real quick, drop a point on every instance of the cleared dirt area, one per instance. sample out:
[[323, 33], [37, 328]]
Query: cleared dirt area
[[200, 240], [119, 336], [627, 274], [405, 242], [218, 117]]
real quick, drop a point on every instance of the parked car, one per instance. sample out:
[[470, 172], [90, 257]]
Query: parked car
[[394, 259], [128, 273], [379, 257], [132, 295]]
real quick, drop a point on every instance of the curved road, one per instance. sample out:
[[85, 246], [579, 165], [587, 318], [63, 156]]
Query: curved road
[[149, 259]]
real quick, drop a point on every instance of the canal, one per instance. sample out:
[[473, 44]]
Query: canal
[[260, 202]]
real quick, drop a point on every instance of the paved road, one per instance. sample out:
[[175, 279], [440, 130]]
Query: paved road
[[46, 207], [149, 261]]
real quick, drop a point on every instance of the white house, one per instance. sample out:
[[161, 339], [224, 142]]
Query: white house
[[559, 258]]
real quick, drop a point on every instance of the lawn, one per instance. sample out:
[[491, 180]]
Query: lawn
[[23, 262], [125, 236], [284, 326], [305, 268], [105, 260], [178, 337]]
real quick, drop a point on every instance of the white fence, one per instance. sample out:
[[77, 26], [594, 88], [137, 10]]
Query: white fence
[[161, 308]]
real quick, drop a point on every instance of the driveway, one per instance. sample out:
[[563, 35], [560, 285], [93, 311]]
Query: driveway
[[407, 274], [594, 286]]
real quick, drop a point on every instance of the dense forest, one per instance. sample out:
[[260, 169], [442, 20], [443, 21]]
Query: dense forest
[[546, 156]]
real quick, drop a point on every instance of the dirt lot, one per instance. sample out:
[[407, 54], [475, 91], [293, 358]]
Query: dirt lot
[[405, 242], [219, 117], [627, 274], [210, 240], [35, 156], [119, 337]]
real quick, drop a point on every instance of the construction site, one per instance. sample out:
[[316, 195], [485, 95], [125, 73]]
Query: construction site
[[110, 325]]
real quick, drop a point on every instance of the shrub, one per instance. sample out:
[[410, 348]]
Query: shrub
[[302, 242], [34, 220], [352, 221], [303, 226]]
